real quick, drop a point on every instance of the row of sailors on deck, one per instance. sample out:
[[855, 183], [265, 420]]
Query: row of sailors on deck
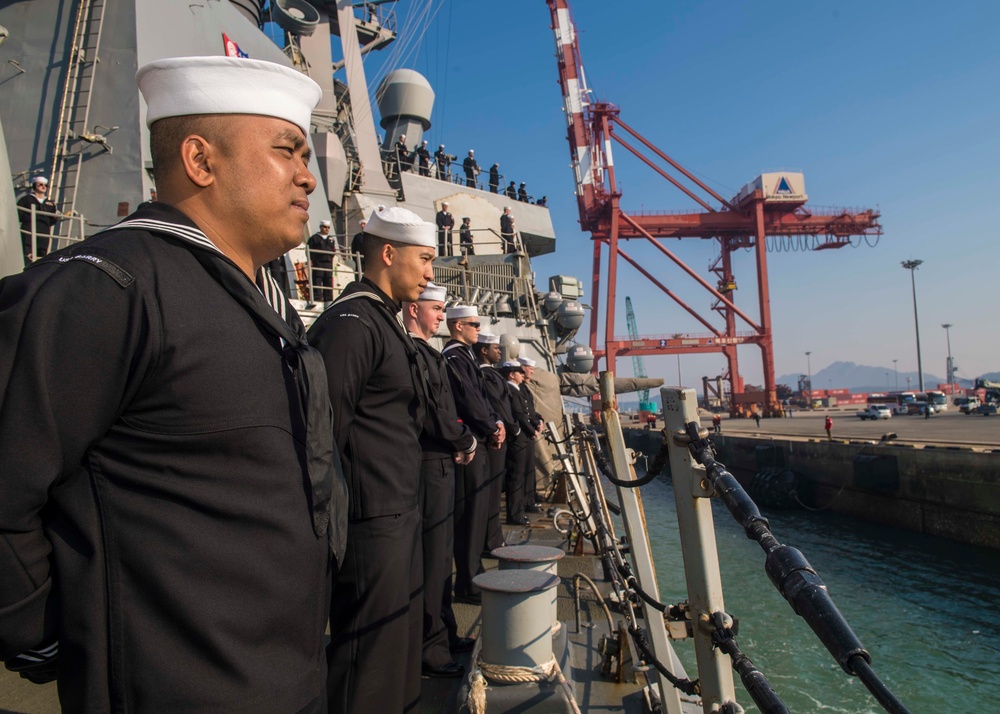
[[194, 486], [421, 160], [323, 246]]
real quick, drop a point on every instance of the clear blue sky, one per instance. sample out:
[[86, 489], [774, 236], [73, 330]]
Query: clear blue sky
[[892, 105]]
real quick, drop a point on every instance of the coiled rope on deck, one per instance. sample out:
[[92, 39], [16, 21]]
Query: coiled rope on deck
[[507, 674]]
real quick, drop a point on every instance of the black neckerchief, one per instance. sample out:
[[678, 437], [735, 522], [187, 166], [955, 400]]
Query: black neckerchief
[[391, 312], [265, 302]]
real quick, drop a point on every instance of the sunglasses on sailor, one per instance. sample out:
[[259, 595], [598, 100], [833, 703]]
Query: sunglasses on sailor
[[477, 325]]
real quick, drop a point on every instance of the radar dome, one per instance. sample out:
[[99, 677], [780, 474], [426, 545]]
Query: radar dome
[[552, 301], [405, 101], [580, 359], [510, 346], [570, 315]]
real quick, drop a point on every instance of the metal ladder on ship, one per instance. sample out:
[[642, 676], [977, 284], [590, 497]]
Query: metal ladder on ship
[[74, 111]]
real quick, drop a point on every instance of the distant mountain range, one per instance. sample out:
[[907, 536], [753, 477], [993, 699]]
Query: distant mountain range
[[843, 375], [862, 378]]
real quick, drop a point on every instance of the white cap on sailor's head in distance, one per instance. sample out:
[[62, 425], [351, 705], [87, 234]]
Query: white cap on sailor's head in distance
[[434, 292], [485, 338], [186, 86], [512, 367], [39, 179], [402, 226], [527, 362], [324, 223], [461, 311]]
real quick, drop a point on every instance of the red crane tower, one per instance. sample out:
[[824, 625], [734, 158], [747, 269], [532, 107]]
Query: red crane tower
[[772, 205]]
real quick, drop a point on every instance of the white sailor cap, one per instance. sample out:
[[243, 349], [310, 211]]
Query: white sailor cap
[[512, 367], [324, 223], [527, 362], [434, 292], [460, 311], [185, 86], [485, 338], [39, 179], [402, 226]]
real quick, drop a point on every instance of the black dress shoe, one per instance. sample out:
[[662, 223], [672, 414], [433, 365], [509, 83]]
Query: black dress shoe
[[475, 599], [522, 521], [463, 644], [534, 509], [449, 669]]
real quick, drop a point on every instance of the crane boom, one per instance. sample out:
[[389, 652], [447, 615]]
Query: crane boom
[[773, 204]]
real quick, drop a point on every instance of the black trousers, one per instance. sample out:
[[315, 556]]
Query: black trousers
[[471, 516], [437, 505], [530, 490], [517, 465], [322, 282], [376, 618], [444, 242], [498, 470]]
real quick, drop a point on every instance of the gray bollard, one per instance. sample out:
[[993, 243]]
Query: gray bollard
[[517, 617], [539, 558]]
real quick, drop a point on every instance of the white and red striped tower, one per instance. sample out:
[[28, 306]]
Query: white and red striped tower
[[743, 222]]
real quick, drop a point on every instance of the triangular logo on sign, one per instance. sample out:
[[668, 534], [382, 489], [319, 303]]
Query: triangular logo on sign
[[783, 186]]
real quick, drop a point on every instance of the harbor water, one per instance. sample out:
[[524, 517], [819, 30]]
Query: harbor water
[[925, 608]]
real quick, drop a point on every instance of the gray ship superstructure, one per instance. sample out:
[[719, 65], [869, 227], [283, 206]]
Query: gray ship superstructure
[[71, 111]]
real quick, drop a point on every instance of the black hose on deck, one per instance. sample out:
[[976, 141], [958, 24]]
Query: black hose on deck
[[792, 575], [605, 467]]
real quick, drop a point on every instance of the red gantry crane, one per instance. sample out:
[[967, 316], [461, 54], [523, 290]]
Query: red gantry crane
[[771, 205]]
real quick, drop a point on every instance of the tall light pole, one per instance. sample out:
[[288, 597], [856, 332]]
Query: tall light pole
[[912, 266], [950, 368], [809, 371], [895, 373]]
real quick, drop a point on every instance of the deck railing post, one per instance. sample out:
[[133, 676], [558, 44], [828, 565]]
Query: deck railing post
[[692, 492], [622, 458]]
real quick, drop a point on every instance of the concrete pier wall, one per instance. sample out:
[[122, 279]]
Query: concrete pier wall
[[948, 492]]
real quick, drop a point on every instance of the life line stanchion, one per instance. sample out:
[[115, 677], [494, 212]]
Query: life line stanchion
[[640, 552], [698, 548]]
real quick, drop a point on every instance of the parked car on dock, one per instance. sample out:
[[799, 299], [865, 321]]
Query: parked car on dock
[[875, 411], [968, 405]]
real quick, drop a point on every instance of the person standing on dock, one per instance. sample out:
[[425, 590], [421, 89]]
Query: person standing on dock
[[717, 423], [445, 442], [828, 425], [471, 496], [756, 417], [379, 393], [165, 439]]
